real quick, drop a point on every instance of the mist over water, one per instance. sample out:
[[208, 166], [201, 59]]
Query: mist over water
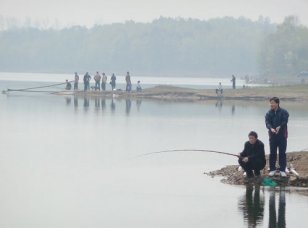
[[70, 161]]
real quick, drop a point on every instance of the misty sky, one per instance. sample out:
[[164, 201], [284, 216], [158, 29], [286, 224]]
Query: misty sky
[[90, 12]]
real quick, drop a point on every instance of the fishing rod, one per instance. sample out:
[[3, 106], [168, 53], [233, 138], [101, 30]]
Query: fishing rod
[[37, 87], [34, 91], [189, 150]]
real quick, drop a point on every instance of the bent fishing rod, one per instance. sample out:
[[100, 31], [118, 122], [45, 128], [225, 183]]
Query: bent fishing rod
[[189, 150], [193, 150]]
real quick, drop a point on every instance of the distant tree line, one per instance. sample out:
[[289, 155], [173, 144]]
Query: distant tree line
[[215, 47], [285, 52]]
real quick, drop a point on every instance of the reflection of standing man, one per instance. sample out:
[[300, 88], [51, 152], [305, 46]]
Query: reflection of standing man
[[233, 80], [281, 223], [276, 120]]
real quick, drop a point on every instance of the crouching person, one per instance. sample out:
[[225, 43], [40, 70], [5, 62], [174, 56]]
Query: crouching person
[[252, 159]]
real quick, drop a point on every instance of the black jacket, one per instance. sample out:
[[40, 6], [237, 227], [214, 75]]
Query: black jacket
[[275, 119], [254, 152]]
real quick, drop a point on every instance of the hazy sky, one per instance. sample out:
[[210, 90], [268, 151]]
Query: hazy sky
[[89, 12]]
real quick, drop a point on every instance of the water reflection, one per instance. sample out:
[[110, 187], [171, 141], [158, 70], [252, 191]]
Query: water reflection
[[75, 102], [281, 222], [252, 206], [112, 105], [103, 102], [233, 109], [138, 103], [128, 106], [219, 104], [86, 103], [68, 100], [97, 104]]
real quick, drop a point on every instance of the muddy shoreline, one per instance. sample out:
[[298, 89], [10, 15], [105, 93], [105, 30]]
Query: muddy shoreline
[[298, 93]]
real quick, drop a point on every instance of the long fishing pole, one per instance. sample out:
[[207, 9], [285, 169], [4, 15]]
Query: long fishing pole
[[37, 87], [189, 150], [34, 91]]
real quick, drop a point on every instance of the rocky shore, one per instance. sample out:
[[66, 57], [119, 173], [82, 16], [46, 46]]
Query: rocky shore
[[299, 160]]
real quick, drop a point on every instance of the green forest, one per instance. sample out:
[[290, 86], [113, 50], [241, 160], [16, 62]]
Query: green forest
[[173, 47]]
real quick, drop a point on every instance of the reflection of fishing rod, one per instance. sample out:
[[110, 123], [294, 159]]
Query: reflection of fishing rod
[[189, 150]]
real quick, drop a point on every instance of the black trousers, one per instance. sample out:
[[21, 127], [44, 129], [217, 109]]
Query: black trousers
[[254, 165], [281, 144]]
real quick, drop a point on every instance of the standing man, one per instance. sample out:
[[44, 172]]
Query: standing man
[[252, 159], [104, 81], [233, 80], [76, 81], [86, 81], [113, 82], [97, 79], [128, 82], [276, 120]]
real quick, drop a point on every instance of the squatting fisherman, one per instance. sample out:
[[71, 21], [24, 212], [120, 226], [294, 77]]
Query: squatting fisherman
[[68, 85], [252, 159]]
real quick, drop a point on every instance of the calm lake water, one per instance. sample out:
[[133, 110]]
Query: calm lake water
[[73, 162]]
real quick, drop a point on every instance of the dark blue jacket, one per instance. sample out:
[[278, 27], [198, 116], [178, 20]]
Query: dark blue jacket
[[275, 119]]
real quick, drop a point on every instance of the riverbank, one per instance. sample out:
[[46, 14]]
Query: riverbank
[[299, 160], [297, 93]]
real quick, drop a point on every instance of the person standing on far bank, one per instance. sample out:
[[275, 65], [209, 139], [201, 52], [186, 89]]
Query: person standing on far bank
[[128, 82], [233, 80], [76, 81], [104, 81], [113, 82], [276, 120]]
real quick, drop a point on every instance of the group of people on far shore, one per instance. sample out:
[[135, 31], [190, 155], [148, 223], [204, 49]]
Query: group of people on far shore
[[219, 90], [252, 158], [100, 82]]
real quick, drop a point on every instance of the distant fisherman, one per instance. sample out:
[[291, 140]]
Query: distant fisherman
[[252, 159], [219, 90], [276, 120], [138, 89], [97, 79], [104, 81], [86, 81], [128, 82], [113, 81], [76, 81], [68, 85], [233, 80]]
